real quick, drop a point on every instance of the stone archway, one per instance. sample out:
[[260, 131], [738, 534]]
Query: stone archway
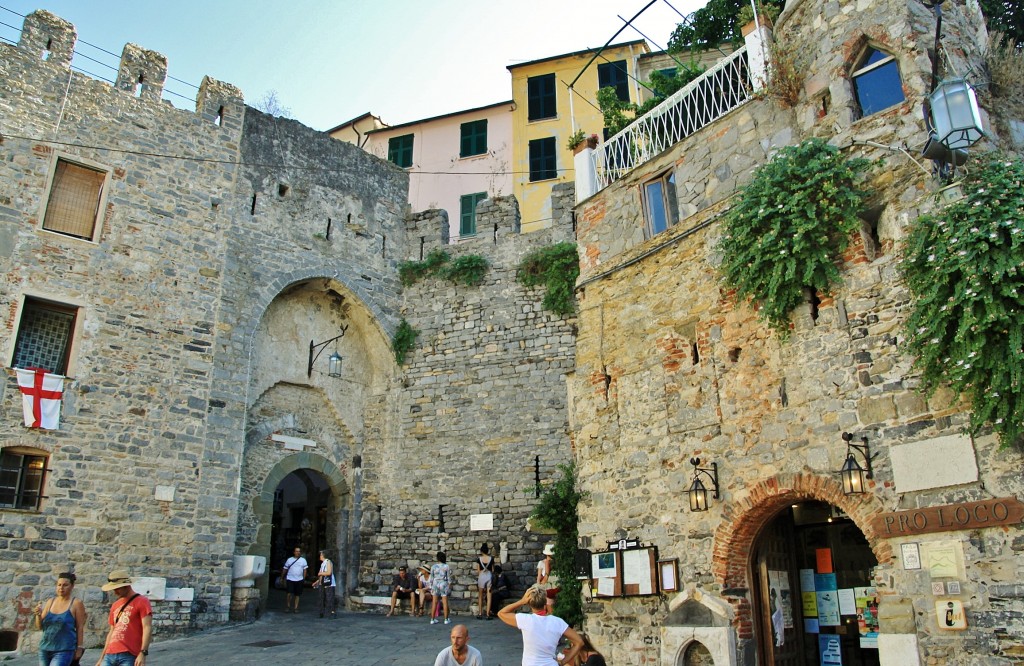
[[263, 503], [744, 518]]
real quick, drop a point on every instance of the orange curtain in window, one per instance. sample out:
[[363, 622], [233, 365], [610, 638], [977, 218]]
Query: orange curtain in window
[[74, 200]]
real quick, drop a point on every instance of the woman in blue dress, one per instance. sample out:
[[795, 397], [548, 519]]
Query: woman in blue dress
[[62, 620]]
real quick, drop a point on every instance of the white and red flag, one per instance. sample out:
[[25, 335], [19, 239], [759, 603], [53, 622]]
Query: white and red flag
[[41, 396]]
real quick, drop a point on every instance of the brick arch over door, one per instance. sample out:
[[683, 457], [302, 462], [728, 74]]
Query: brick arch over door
[[743, 519]]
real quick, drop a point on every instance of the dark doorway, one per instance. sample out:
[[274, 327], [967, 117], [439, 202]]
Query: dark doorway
[[300, 519], [813, 593]]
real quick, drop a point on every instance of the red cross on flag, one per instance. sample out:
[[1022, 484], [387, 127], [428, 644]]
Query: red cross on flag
[[41, 395]]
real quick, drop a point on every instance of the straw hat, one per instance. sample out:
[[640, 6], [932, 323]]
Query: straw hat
[[117, 578]]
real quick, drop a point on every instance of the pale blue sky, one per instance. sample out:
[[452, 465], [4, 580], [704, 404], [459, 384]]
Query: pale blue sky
[[332, 61]]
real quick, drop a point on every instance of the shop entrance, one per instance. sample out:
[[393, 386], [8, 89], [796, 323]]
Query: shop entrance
[[812, 590]]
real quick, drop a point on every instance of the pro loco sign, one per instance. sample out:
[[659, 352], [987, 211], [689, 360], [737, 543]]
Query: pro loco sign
[[965, 516]]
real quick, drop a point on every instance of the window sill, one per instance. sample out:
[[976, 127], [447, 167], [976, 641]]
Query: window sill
[[474, 157], [543, 180], [541, 120], [92, 242]]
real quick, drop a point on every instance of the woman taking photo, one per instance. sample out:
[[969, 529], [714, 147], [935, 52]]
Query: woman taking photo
[[541, 632], [62, 620]]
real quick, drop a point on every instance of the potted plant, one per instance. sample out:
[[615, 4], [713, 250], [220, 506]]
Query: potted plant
[[579, 140], [765, 17]]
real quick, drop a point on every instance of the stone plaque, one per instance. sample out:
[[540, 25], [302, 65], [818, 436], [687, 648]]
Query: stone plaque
[[966, 516]]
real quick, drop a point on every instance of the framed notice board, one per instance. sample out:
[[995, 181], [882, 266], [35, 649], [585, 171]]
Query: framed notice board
[[625, 573]]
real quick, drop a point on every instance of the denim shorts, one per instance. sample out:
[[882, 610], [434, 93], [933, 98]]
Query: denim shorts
[[56, 657], [119, 659]]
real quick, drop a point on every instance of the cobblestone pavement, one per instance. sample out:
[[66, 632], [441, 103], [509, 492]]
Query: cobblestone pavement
[[366, 639]]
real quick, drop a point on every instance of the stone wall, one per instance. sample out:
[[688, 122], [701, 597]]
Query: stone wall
[[207, 226], [479, 400], [141, 375], [670, 366]]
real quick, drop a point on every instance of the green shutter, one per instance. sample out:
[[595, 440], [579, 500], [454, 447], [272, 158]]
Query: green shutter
[[400, 150], [474, 138], [467, 213]]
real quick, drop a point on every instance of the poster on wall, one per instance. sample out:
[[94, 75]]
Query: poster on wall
[[830, 650], [779, 583], [808, 600], [827, 599], [867, 616], [639, 574]]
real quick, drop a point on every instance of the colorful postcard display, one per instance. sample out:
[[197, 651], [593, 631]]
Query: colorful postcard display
[[867, 616]]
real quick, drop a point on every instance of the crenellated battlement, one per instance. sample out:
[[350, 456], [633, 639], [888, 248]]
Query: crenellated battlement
[[142, 73]]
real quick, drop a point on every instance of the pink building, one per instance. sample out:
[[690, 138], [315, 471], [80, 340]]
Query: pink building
[[455, 161]]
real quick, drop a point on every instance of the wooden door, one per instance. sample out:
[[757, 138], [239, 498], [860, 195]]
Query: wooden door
[[774, 553]]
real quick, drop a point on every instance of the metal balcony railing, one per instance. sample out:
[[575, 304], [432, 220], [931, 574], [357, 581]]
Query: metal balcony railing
[[704, 100]]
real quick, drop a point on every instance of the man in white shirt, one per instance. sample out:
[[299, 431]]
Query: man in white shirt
[[461, 653], [294, 574]]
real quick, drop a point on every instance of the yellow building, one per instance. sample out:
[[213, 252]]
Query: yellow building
[[547, 113]]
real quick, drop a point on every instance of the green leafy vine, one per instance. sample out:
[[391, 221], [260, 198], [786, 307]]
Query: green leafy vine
[[404, 341], [468, 269], [965, 267], [557, 509], [789, 226], [556, 267]]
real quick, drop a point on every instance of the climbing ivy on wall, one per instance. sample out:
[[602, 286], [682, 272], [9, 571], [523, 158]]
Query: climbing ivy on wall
[[556, 267], [789, 227], [965, 267], [557, 510]]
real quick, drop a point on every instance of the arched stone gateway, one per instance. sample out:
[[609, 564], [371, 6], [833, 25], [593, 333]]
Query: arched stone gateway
[[336, 498], [744, 533]]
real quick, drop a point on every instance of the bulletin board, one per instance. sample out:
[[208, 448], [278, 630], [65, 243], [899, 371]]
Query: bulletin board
[[625, 573]]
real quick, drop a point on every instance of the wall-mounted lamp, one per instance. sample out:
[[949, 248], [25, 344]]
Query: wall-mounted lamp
[[952, 115], [956, 118], [852, 473], [698, 492], [333, 361]]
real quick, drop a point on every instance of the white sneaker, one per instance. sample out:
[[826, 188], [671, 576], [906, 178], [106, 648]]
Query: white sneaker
[[447, 621], [433, 621]]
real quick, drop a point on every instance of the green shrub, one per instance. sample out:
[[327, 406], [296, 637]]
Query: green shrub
[[404, 341], [468, 269], [411, 272], [789, 227], [557, 510], [556, 267], [965, 268]]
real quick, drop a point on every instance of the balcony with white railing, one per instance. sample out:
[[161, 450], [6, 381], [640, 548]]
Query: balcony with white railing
[[704, 100]]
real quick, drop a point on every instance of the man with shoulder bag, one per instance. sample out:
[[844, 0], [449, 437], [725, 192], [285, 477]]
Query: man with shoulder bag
[[293, 573]]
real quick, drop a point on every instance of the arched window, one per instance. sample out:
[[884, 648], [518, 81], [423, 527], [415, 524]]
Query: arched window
[[876, 82]]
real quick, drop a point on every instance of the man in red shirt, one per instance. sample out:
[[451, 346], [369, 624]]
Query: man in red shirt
[[131, 624]]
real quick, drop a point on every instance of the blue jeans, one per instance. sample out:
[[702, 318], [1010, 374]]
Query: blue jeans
[[119, 659], [56, 657]]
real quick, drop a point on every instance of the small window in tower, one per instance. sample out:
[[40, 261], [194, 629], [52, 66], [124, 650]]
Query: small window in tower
[[876, 82]]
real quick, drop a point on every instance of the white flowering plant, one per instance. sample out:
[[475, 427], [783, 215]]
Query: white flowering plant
[[964, 265], [789, 227]]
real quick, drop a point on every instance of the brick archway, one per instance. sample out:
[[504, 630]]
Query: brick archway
[[744, 518]]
